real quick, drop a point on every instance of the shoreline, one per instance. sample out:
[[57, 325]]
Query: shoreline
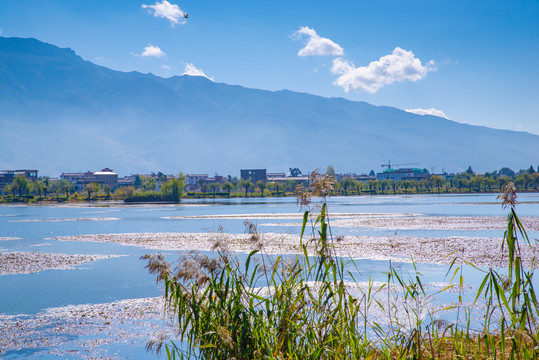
[[51, 201]]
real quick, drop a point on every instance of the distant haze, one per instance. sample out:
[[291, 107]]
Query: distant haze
[[61, 113]]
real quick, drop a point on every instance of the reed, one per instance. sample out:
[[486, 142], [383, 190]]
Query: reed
[[310, 306]]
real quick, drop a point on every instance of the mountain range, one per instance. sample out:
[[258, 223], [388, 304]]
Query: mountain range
[[61, 113]]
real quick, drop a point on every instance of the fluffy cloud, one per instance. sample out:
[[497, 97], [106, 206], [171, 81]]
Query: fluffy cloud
[[431, 111], [192, 70], [168, 11], [401, 65], [316, 45], [151, 50]]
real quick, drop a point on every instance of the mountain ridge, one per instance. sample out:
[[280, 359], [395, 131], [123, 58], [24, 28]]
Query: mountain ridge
[[70, 114]]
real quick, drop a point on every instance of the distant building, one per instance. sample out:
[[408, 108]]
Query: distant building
[[79, 180], [254, 175], [107, 177], [282, 179], [403, 174], [271, 176], [217, 179], [104, 177], [192, 181], [127, 181], [7, 176], [364, 178]]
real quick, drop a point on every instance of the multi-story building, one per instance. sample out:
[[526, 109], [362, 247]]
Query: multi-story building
[[79, 180], [105, 177], [403, 174], [192, 181], [7, 176], [127, 181], [254, 175], [217, 179]]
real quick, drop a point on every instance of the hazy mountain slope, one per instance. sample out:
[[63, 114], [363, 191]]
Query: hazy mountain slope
[[61, 113]]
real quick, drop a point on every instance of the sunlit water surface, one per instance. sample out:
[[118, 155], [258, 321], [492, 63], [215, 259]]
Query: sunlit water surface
[[125, 277]]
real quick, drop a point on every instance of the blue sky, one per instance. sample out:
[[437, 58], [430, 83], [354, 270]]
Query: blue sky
[[475, 61]]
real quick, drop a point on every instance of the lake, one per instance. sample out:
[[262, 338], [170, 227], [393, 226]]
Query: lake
[[34, 229]]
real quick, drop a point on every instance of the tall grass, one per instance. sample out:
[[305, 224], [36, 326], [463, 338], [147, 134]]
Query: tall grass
[[310, 306]]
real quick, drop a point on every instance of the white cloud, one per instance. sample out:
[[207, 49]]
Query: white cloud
[[192, 70], [431, 111], [168, 11], [166, 67], [316, 45], [151, 50], [401, 65]]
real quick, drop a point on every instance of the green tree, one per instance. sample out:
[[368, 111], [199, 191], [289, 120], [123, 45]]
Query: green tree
[[289, 185], [106, 189], [213, 187], [39, 187], [294, 172], [383, 185], [21, 184], [505, 171], [535, 180], [345, 184], [459, 182], [276, 188], [149, 183], [372, 186], [228, 186], [161, 177], [46, 185], [437, 181], [62, 187], [124, 192], [331, 172], [173, 189], [9, 189], [246, 184], [476, 182], [392, 184], [467, 184], [501, 181], [138, 182], [418, 184], [92, 188], [358, 185], [469, 171], [261, 185], [405, 184], [488, 182]]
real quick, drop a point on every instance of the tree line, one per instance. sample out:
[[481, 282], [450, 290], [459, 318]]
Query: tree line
[[144, 187]]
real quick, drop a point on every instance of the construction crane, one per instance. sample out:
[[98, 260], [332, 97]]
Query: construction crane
[[388, 165]]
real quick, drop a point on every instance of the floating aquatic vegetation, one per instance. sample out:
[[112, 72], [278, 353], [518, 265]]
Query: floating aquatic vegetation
[[32, 262]]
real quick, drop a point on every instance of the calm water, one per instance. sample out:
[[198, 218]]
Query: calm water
[[124, 278]]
